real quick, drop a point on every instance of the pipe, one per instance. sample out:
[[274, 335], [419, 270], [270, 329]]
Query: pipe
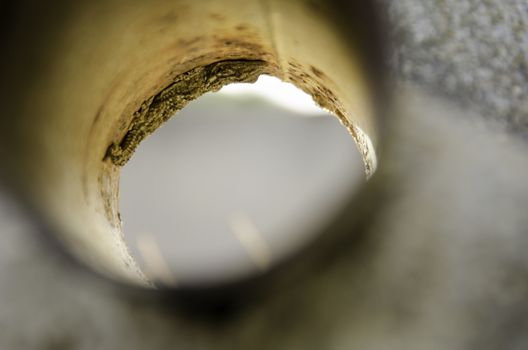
[[84, 83]]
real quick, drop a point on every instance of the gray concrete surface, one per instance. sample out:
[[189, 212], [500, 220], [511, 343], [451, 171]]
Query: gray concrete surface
[[473, 51], [226, 156]]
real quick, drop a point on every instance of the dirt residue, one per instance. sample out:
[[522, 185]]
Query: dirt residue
[[186, 87]]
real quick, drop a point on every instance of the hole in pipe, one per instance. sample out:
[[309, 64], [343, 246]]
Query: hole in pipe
[[235, 182]]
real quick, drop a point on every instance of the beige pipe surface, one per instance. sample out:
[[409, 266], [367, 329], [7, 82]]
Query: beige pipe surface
[[105, 75]]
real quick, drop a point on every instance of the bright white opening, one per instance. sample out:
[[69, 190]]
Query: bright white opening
[[276, 91]]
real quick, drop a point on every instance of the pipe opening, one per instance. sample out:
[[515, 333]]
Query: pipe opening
[[235, 182]]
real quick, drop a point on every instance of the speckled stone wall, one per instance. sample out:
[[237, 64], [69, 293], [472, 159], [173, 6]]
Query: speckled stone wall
[[474, 51]]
